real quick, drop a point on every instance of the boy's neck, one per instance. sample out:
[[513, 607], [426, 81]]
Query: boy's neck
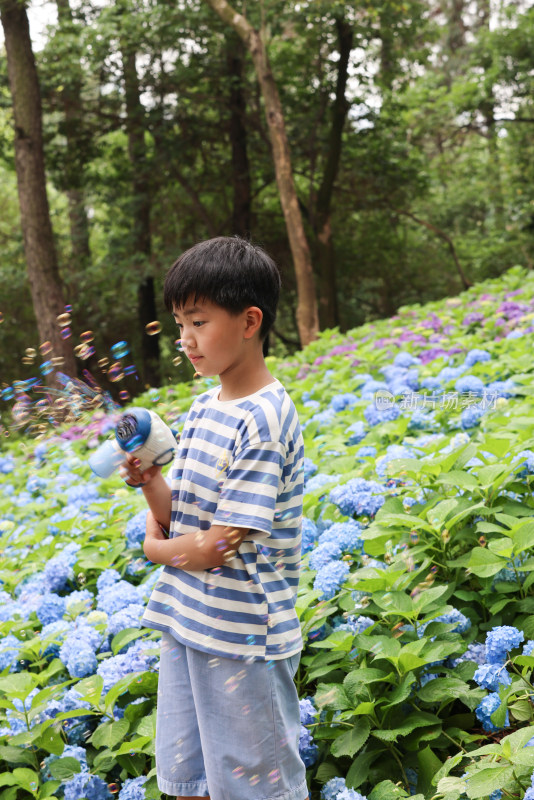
[[245, 381]]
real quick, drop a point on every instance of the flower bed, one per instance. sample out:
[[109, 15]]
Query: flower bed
[[416, 600]]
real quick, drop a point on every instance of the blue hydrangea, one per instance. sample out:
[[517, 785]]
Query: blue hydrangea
[[52, 608], [107, 578], [469, 384], [310, 535], [135, 530], [475, 355], [307, 749], [35, 484], [405, 360], [138, 658], [475, 652], [308, 712], [371, 387], [322, 418], [315, 404], [492, 676], [320, 480], [323, 554], [346, 535], [69, 751], [9, 651], [500, 641], [342, 401], [80, 596], [366, 452], [117, 596], [434, 384], [450, 373], [330, 578], [309, 468], [393, 452], [528, 647], [496, 795], [486, 708], [356, 433], [337, 789], [6, 464], [133, 789], [505, 388], [460, 621], [377, 416], [82, 494], [358, 497], [355, 624], [129, 617], [88, 786], [471, 416], [526, 461]]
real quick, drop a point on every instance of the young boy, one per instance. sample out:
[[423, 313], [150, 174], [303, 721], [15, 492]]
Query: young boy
[[228, 714]]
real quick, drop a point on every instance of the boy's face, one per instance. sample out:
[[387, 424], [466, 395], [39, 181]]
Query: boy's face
[[213, 339]]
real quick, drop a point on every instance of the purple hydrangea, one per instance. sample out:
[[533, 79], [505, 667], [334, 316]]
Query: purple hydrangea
[[500, 641]]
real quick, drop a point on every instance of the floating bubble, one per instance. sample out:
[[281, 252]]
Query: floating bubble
[[45, 348], [87, 336], [251, 639], [178, 345], [153, 328], [68, 309], [130, 370], [177, 361], [103, 362], [31, 352], [482, 541], [65, 333], [216, 571], [238, 772], [213, 662], [26, 360], [274, 776], [57, 361], [231, 684], [124, 395], [115, 373], [113, 788], [245, 710], [46, 368], [7, 393], [414, 537], [254, 779], [1, 317], [221, 545], [229, 555], [63, 320], [87, 353], [80, 349], [119, 350]]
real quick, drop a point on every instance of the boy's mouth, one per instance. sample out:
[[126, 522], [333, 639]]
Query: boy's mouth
[[194, 359]]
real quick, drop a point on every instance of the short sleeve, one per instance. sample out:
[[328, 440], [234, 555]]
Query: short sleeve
[[251, 487]]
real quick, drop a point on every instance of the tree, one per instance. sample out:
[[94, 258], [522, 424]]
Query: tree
[[39, 248], [307, 315]]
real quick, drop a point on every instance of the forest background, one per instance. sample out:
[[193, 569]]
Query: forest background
[[406, 172]]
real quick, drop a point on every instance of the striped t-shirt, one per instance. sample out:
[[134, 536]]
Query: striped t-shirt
[[240, 463]]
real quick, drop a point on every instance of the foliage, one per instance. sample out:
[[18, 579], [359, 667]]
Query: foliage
[[416, 597]]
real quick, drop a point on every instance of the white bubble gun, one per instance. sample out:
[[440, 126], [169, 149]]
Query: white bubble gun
[[140, 432]]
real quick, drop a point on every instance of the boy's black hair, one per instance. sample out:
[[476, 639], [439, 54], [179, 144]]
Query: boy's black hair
[[229, 272]]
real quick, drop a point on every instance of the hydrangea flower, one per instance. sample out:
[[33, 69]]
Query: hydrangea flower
[[323, 554], [366, 452], [137, 658], [133, 789], [129, 617], [337, 789], [9, 651], [358, 497], [308, 712], [83, 784], [330, 578], [356, 433], [135, 530], [469, 384], [342, 401], [355, 624], [344, 534], [307, 749], [471, 416], [309, 468], [475, 652], [51, 609], [486, 708], [492, 676], [320, 480], [500, 641], [475, 356], [117, 596], [309, 534], [107, 578], [377, 416]]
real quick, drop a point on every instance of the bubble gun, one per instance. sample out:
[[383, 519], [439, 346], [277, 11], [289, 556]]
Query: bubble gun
[[141, 432]]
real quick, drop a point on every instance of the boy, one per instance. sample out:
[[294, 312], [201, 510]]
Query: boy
[[228, 714]]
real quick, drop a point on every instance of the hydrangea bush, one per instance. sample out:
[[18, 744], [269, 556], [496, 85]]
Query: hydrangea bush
[[416, 599]]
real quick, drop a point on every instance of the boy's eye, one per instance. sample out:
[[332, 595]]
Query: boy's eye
[[197, 323]]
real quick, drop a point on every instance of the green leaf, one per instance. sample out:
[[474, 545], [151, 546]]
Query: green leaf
[[401, 691], [418, 719], [486, 781], [441, 690], [429, 764], [352, 740], [124, 637], [332, 696], [359, 769], [484, 563], [19, 685], [457, 477], [387, 790], [91, 688], [65, 768], [136, 745], [326, 771], [51, 741], [17, 755], [48, 788], [108, 734], [356, 681], [27, 779]]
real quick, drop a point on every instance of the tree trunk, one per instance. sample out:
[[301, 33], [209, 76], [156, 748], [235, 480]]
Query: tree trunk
[[325, 255], [135, 128], [238, 139], [307, 316], [74, 160], [39, 247]]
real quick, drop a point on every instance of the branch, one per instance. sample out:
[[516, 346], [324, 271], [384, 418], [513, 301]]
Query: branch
[[442, 235], [228, 14]]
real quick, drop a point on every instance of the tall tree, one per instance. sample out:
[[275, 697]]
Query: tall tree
[[238, 137], [307, 314], [39, 247]]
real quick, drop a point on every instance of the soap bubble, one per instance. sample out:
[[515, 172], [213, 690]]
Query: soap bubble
[[87, 336], [254, 780], [238, 772], [273, 776], [68, 309], [130, 370], [65, 333], [7, 393], [46, 367], [153, 328], [57, 361], [115, 373], [31, 352], [177, 361], [124, 395], [45, 348], [63, 320], [119, 349], [1, 317], [103, 362]]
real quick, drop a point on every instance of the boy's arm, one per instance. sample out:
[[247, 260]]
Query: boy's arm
[[192, 551], [155, 488]]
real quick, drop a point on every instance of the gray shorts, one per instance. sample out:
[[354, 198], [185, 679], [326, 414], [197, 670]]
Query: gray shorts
[[226, 728]]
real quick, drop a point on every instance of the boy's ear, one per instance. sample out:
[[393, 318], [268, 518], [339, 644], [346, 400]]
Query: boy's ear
[[253, 320]]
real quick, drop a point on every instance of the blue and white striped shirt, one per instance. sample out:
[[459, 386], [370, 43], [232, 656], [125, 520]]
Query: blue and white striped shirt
[[240, 464]]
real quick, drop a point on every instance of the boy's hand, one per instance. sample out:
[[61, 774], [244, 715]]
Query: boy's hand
[[130, 472]]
